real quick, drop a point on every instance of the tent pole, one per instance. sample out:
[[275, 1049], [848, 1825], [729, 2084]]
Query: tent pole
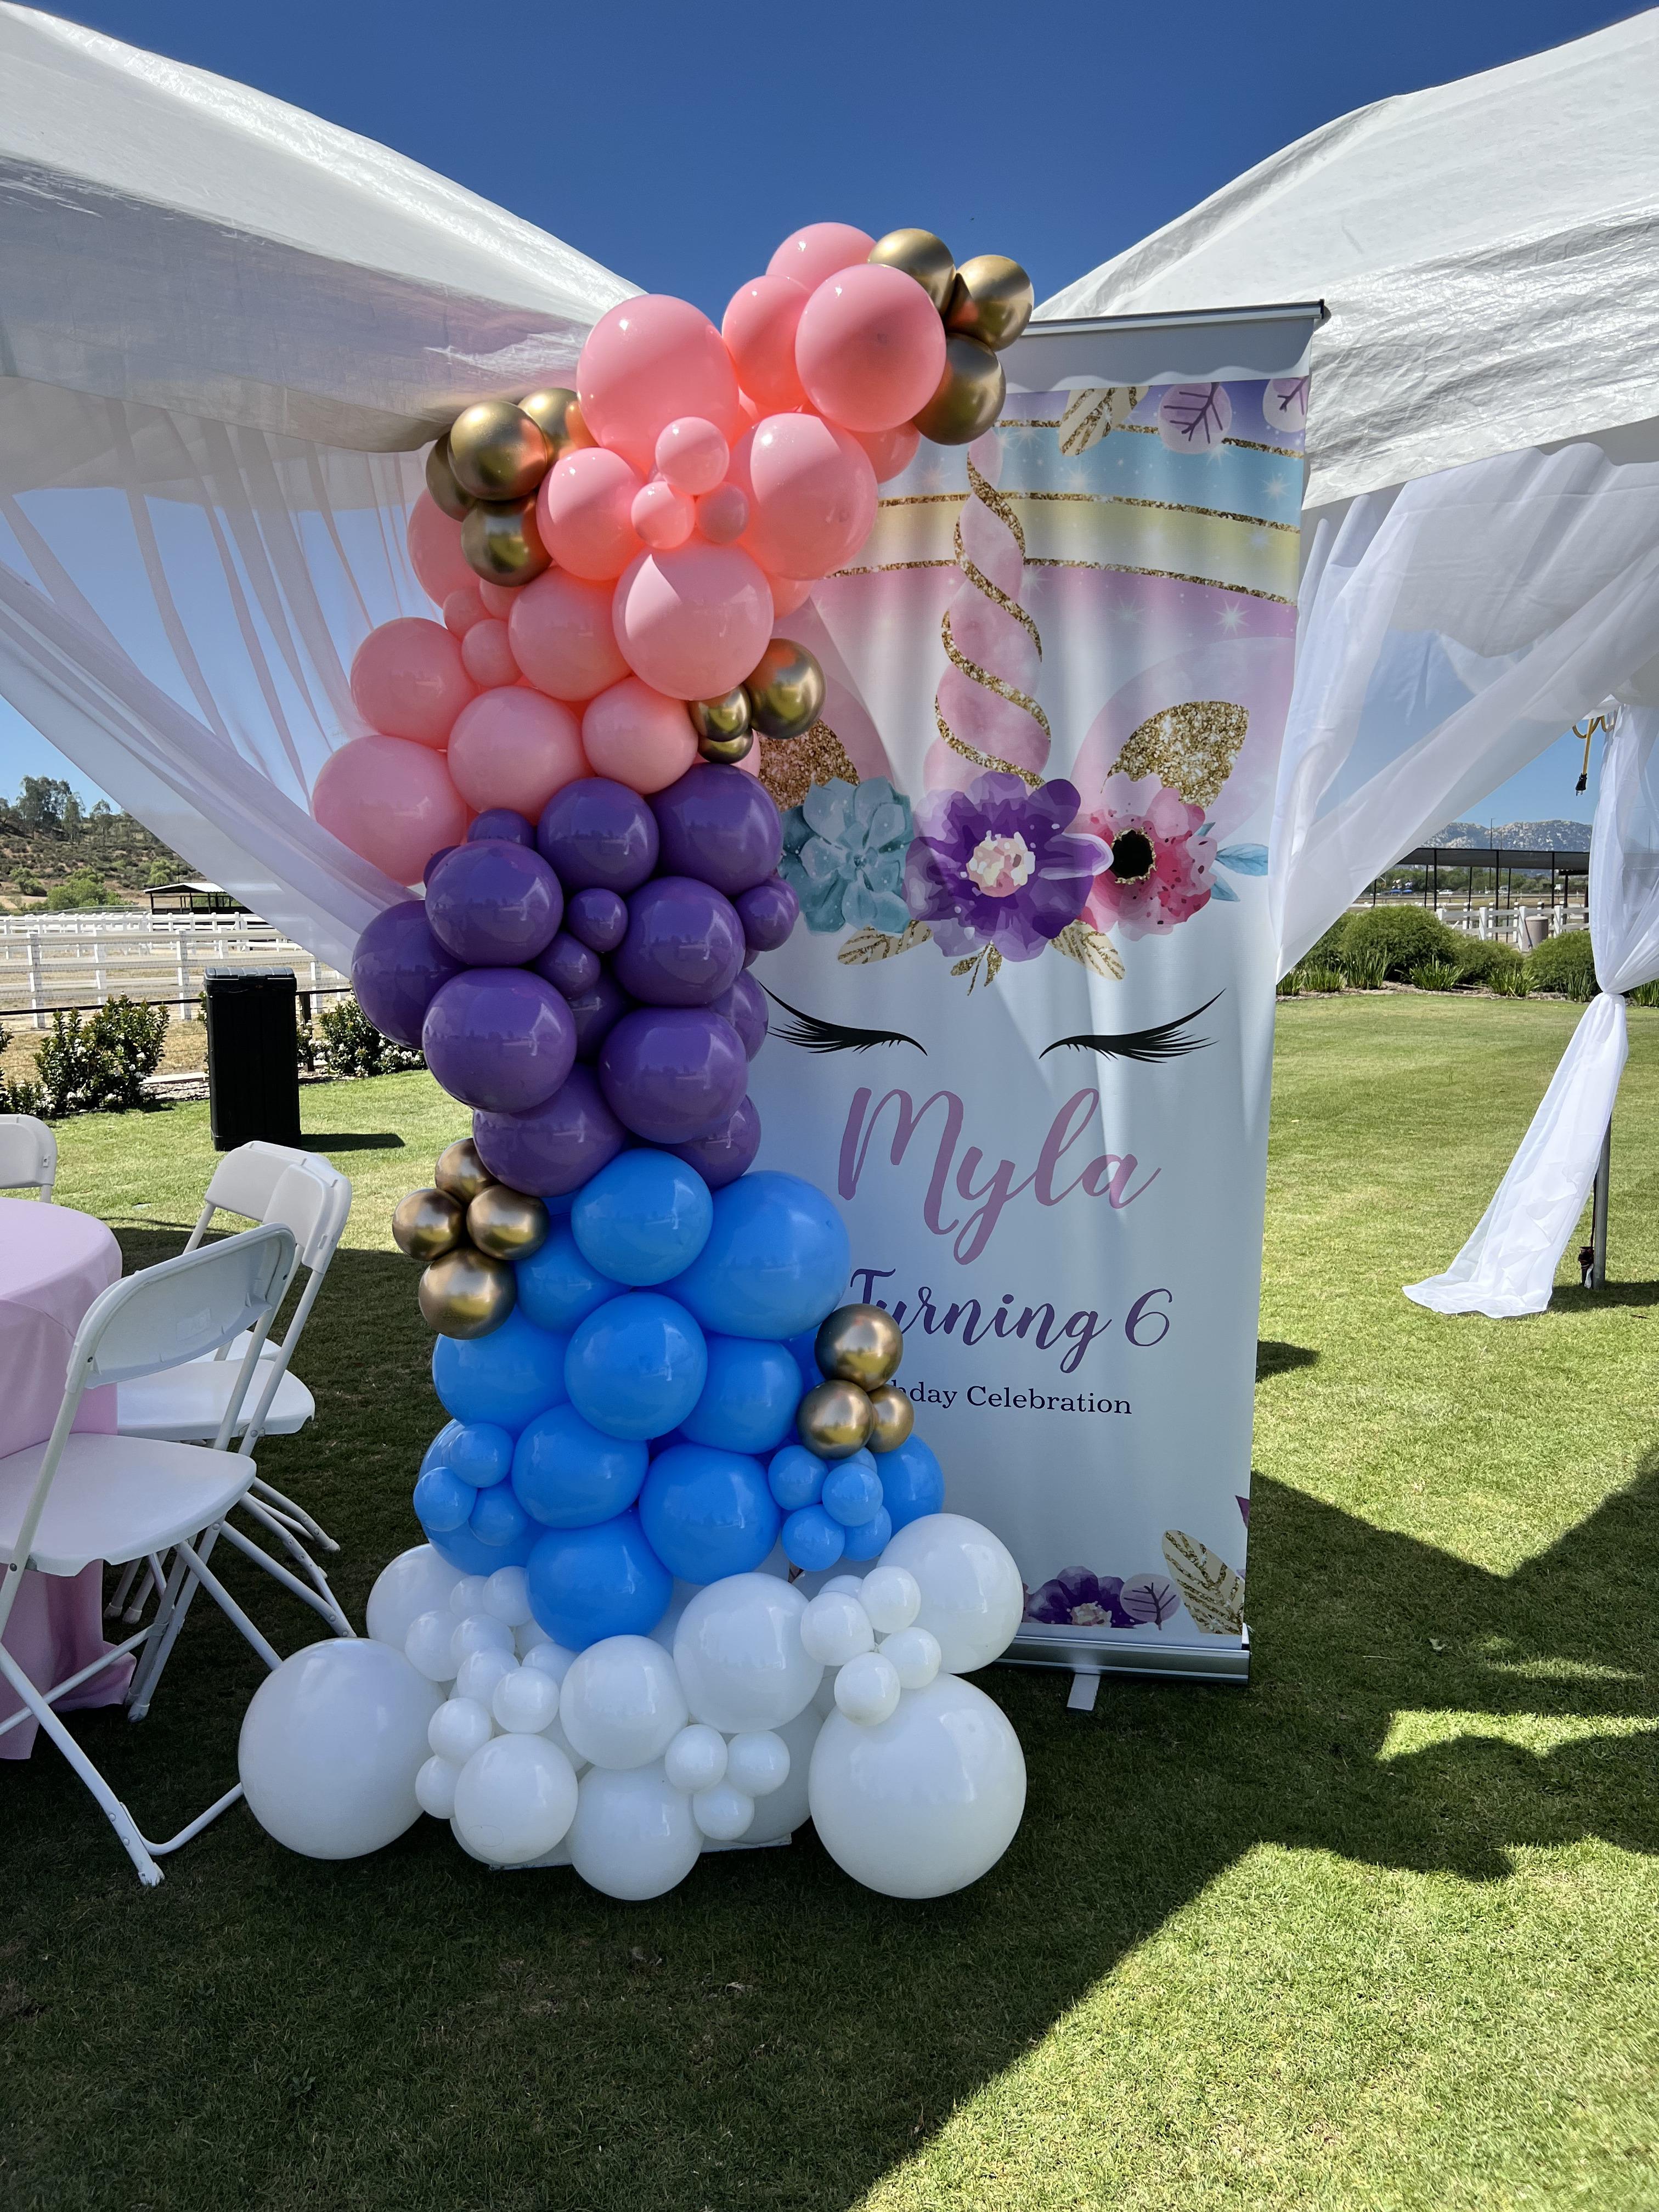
[[1598, 1272]]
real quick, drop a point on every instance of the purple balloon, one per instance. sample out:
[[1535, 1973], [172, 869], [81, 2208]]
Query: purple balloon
[[598, 917], [768, 913], [745, 1006], [502, 822], [432, 860], [396, 968], [569, 966], [596, 1012], [671, 1073], [684, 944], [729, 1152], [597, 832], [499, 1039], [494, 904], [720, 825], [556, 1147]]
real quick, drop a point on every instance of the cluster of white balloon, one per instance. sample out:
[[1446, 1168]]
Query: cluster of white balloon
[[751, 1706]]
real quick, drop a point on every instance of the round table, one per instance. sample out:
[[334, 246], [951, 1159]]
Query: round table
[[54, 1263]]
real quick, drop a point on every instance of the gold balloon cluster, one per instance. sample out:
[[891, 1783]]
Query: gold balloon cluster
[[859, 1348], [781, 697], [484, 472], [985, 303], [468, 1229]]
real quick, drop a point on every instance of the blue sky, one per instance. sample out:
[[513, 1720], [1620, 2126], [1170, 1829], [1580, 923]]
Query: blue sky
[[679, 146]]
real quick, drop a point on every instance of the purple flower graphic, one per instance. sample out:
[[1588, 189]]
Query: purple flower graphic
[[1083, 1600], [993, 865]]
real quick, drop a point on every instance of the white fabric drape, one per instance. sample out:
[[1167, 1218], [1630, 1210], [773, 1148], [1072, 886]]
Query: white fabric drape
[[1508, 1266]]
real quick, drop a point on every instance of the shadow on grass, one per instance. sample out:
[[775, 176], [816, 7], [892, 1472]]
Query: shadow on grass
[[383, 2033], [1281, 1358], [1571, 1297], [385, 1140]]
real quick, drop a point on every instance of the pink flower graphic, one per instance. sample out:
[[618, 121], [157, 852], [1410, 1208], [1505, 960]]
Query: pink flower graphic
[[1160, 869]]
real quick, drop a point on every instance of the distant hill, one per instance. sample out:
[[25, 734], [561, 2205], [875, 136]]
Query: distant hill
[[1555, 836], [89, 856]]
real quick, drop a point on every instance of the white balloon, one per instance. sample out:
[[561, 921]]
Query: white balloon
[[515, 1799], [479, 1632], [823, 1697], [526, 1638], [416, 1582], [555, 1733], [914, 1655], [468, 1595], [548, 1658], [459, 1728], [836, 1628], [622, 1705], [891, 1597], [434, 1787], [696, 1759], [506, 1597], [330, 1745], [426, 1646], [525, 1702], [480, 1671], [723, 1813], [633, 1836], [758, 1762], [972, 1598], [558, 1856], [741, 1661], [924, 1802], [785, 1810], [867, 1688], [842, 1585]]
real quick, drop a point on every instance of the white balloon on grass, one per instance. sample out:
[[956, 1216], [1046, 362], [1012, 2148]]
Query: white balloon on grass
[[867, 1689], [758, 1762], [525, 1703], [622, 1705], [914, 1654], [836, 1628], [891, 1597], [633, 1836], [458, 1727], [972, 1597], [724, 1813], [740, 1655], [924, 1803], [330, 1745], [480, 1671], [426, 1646], [417, 1581], [515, 1799], [695, 1759], [478, 1632], [468, 1595], [506, 1597], [434, 1787], [782, 1811]]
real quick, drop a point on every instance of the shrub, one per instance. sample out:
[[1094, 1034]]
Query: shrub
[[1289, 985], [1434, 975], [101, 1065], [1563, 964], [1511, 982], [1645, 994], [1406, 936], [83, 889], [1316, 977], [1367, 970], [351, 1045], [1483, 964]]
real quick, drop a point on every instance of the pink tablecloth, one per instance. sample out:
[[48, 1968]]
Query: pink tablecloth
[[54, 1263]]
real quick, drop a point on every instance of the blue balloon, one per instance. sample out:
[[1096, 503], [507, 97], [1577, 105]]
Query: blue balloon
[[637, 1367], [569, 1474], [806, 1359], [465, 1551], [644, 1219], [796, 1478], [870, 1539], [443, 1500], [585, 1583], [479, 1453], [748, 1403], [498, 1518], [811, 1540], [912, 1482], [556, 1286], [505, 1378], [852, 1492], [708, 1514], [777, 1260]]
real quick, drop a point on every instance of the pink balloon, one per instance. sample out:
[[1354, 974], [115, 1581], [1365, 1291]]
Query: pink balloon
[[561, 636], [808, 256], [759, 330], [409, 680], [393, 803], [693, 623], [583, 508], [664, 518], [811, 490], [870, 348], [462, 610], [515, 748], [891, 451], [638, 737], [789, 593], [435, 550], [692, 454], [488, 655], [723, 515], [498, 598], [648, 361]]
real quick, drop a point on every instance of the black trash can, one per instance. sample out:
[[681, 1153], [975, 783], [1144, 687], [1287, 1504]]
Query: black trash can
[[253, 1067]]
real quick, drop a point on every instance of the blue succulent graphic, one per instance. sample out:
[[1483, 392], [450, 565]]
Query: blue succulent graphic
[[843, 855]]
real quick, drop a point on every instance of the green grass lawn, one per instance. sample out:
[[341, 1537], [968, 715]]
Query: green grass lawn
[[1380, 1932]]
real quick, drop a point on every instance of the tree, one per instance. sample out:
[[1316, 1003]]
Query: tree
[[45, 802]]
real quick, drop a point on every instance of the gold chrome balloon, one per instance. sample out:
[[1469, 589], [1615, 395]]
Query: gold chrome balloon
[[497, 452], [785, 692], [558, 413], [460, 1172], [725, 717], [836, 1419], [502, 543], [968, 401], [428, 1224], [991, 300], [507, 1223], [921, 255], [466, 1293], [894, 1417], [441, 483], [727, 752], [860, 1344]]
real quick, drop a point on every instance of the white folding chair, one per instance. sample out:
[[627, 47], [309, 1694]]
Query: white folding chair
[[28, 1155], [80, 1497]]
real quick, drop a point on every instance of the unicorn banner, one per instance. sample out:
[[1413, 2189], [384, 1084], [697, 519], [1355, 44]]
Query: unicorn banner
[[1030, 1013]]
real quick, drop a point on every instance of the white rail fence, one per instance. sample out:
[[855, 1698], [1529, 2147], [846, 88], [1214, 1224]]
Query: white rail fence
[[83, 960]]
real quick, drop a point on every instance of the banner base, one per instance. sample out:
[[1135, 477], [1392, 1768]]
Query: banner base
[[1227, 1662]]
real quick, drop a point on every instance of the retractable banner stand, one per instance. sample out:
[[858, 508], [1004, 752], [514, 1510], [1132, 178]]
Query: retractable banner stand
[[1025, 1033]]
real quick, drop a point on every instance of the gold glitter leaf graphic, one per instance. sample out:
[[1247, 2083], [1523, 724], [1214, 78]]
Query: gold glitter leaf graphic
[[962, 966], [1093, 415], [1098, 954], [1212, 1592], [866, 945], [789, 767], [1192, 748]]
